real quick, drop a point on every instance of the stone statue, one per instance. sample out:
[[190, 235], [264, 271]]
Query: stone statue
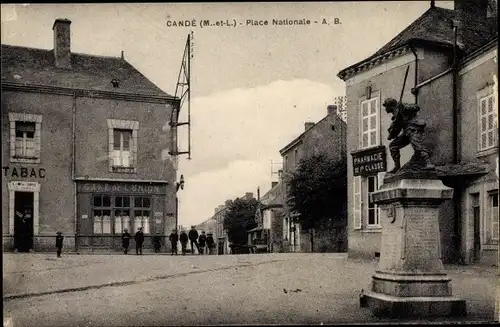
[[404, 118]]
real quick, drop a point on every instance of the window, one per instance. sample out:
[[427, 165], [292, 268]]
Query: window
[[25, 139], [296, 157], [102, 214], [487, 123], [122, 213], [25, 136], [121, 147], [366, 214], [142, 213], [373, 210], [370, 126], [492, 221], [285, 163]]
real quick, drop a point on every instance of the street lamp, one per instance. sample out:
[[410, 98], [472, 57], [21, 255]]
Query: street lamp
[[179, 184]]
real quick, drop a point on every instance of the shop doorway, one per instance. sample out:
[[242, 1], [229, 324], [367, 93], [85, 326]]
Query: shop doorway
[[23, 221], [476, 216]]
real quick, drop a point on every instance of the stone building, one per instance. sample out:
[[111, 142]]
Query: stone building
[[328, 136], [85, 151], [453, 85]]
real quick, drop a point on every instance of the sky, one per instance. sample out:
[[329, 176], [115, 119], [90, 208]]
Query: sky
[[252, 86]]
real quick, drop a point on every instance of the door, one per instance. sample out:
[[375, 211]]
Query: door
[[476, 216], [23, 221]]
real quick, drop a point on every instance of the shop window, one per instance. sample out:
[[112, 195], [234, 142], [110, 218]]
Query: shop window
[[122, 213], [142, 214], [487, 123], [373, 212], [370, 125], [492, 219], [25, 136], [102, 214]]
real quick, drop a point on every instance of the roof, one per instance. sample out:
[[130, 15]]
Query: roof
[[89, 72], [435, 27]]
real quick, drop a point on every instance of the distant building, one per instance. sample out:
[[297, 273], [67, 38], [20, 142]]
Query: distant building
[[269, 219], [328, 136], [85, 149]]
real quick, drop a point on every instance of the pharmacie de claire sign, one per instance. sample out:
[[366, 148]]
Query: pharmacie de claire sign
[[369, 162]]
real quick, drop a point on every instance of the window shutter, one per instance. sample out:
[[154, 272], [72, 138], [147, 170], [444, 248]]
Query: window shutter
[[377, 108], [357, 202]]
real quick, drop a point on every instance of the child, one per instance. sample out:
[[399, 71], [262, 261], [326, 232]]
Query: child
[[59, 243]]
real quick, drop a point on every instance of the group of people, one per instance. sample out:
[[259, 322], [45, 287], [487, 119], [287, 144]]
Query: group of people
[[203, 243]]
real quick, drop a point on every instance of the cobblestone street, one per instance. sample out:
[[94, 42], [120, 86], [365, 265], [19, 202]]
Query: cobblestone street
[[112, 290]]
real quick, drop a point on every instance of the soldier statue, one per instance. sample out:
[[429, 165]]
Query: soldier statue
[[404, 118]]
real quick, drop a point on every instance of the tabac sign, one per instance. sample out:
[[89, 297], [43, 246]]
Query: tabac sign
[[369, 162]]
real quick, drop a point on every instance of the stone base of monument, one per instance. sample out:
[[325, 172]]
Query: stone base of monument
[[410, 280]]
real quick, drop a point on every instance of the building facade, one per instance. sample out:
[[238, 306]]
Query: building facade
[[220, 232], [328, 136], [450, 93], [87, 151]]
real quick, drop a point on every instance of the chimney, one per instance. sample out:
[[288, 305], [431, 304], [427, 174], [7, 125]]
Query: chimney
[[273, 184], [331, 110], [433, 3], [62, 43], [308, 125], [258, 193]]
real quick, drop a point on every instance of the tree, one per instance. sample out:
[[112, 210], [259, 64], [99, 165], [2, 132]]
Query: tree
[[239, 218], [318, 192]]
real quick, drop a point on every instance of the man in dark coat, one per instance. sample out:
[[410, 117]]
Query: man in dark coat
[[125, 240], [174, 238], [210, 243], [202, 239], [184, 239], [139, 240], [59, 243], [157, 242], [193, 237]]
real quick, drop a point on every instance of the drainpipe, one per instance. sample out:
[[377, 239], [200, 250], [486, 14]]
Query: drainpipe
[[456, 156], [415, 93], [73, 166]]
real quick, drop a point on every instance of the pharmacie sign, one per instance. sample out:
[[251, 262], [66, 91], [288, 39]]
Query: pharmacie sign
[[369, 162]]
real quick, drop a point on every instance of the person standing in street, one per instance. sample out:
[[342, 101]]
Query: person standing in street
[[201, 243], [125, 240], [59, 243], [157, 242], [193, 237], [174, 238], [184, 239], [210, 243], [139, 240]]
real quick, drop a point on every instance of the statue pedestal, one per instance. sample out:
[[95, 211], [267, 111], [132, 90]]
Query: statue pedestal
[[410, 280]]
